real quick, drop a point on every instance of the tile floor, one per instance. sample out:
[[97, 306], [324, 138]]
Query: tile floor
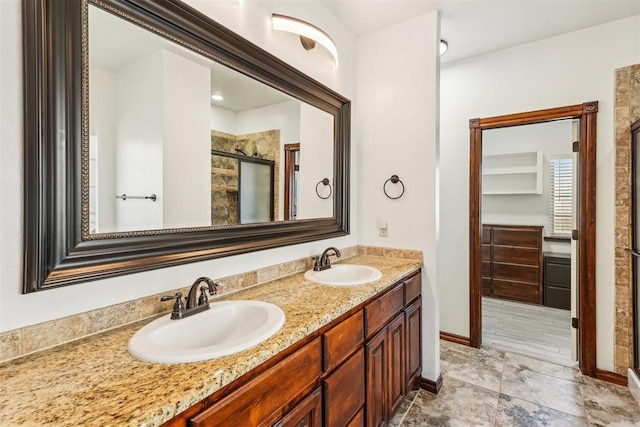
[[533, 330], [490, 387]]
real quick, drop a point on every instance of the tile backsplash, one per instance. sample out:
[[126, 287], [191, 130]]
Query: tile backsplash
[[20, 342]]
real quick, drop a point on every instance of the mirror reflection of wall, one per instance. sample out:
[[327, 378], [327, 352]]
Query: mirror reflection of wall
[[517, 176], [154, 108]]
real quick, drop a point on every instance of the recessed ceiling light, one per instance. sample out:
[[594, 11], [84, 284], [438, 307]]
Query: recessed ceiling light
[[444, 47], [217, 97]]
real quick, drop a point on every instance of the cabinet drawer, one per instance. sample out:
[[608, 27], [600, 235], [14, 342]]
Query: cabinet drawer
[[342, 339], [517, 255], [557, 272], [379, 312], [557, 297], [307, 413], [486, 234], [344, 391], [526, 292], [486, 287], [516, 237], [261, 398], [412, 288], [486, 252], [520, 273], [358, 420], [486, 269]]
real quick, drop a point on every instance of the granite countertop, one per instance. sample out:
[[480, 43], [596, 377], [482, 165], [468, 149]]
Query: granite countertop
[[96, 382]]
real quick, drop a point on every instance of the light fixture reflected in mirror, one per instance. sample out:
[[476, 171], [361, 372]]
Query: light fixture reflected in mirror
[[217, 97], [444, 47], [309, 33]]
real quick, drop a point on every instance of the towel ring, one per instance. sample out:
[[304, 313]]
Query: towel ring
[[324, 181], [394, 180]]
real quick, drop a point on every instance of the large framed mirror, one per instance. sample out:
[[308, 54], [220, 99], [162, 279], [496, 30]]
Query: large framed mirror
[[154, 137]]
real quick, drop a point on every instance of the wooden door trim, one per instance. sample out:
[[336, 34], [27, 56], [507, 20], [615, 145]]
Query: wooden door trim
[[586, 113], [289, 171]]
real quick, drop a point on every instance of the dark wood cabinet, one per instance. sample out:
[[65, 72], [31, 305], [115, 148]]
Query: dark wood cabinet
[[377, 365], [353, 372], [396, 381], [557, 280], [413, 326], [344, 391], [259, 401], [512, 262], [394, 353], [307, 413]]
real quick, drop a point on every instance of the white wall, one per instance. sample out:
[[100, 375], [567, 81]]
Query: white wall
[[186, 143], [223, 120], [252, 20], [564, 70], [552, 139], [138, 165], [316, 163], [102, 125], [397, 122]]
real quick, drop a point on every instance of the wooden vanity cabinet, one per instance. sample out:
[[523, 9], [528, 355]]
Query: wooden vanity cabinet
[[354, 372], [307, 413], [261, 400], [393, 349]]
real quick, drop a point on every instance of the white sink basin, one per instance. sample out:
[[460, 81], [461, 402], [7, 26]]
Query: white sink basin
[[344, 275], [227, 327]]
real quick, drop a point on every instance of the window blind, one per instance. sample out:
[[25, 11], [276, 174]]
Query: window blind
[[561, 197]]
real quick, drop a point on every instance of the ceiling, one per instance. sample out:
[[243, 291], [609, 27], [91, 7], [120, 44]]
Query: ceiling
[[475, 27]]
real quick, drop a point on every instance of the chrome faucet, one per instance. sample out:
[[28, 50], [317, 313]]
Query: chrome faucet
[[194, 303], [322, 262]]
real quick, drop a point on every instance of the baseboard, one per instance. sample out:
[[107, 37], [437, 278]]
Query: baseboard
[[611, 377], [458, 339], [432, 387]]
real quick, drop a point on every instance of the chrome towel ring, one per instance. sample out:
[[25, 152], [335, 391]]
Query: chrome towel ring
[[394, 180], [324, 181]]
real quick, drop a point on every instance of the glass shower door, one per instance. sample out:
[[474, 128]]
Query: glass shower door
[[256, 192]]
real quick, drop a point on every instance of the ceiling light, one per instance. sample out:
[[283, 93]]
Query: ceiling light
[[309, 34], [444, 47], [217, 97]]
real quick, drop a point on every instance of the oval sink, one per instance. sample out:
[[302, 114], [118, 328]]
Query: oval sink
[[344, 275], [227, 327]]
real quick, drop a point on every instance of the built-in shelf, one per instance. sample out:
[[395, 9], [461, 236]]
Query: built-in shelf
[[512, 173]]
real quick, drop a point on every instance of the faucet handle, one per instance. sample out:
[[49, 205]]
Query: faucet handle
[[203, 298], [316, 263], [178, 307]]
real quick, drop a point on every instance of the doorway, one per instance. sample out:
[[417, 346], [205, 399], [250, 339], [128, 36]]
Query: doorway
[[585, 114], [291, 178]]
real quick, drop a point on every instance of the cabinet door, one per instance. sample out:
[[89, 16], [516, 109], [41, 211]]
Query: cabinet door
[[413, 325], [307, 413], [344, 391], [377, 363], [256, 402], [396, 370]]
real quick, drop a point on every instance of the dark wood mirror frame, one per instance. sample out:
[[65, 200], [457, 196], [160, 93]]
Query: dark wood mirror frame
[[57, 248], [586, 213]]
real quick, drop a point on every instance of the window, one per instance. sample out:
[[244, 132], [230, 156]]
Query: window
[[561, 195]]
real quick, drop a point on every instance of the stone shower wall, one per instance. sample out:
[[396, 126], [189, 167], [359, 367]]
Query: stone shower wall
[[224, 171], [627, 111]]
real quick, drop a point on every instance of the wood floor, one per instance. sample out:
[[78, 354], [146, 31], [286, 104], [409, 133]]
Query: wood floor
[[536, 331]]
